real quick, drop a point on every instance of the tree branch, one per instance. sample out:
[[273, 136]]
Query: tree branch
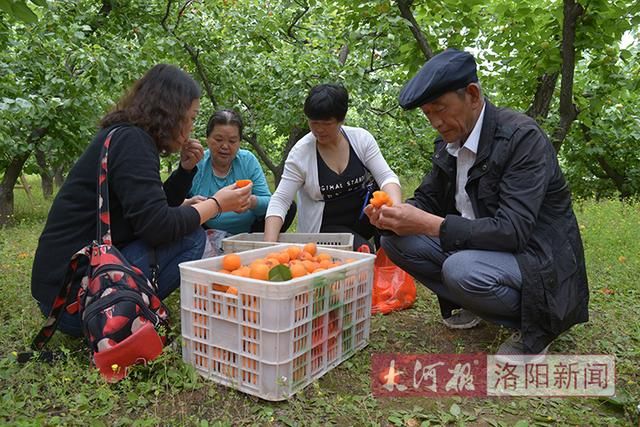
[[190, 50], [296, 18], [568, 110], [597, 173], [382, 67], [371, 68], [344, 53], [107, 6], [544, 94], [181, 12], [253, 141], [618, 180], [267, 42], [167, 11], [405, 12], [380, 112], [373, 51], [103, 13]]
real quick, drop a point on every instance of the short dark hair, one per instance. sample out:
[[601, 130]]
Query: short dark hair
[[327, 101], [158, 103], [225, 117]]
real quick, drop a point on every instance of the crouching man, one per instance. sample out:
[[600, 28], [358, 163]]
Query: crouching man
[[491, 230]]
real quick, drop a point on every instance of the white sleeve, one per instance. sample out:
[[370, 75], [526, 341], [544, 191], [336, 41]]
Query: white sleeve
[[292, 179], [375, 162]]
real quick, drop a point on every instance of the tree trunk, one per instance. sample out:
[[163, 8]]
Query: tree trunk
[[46, 175], [46, 180], [568, 110], [11, 175], [544, 94], [9, 180], [58, 176], [294, 135]]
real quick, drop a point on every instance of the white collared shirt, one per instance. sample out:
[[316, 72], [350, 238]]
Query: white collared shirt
[[465, 158]]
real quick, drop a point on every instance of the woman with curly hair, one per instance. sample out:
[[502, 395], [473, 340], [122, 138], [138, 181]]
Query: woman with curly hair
[[155, 118]]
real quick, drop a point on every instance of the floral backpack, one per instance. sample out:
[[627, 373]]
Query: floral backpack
[[123, 320]]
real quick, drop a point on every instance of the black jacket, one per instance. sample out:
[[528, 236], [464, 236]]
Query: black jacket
[[140, 207], [522, 205]]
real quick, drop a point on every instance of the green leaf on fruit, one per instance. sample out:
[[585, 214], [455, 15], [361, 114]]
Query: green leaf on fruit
[[279, 273]]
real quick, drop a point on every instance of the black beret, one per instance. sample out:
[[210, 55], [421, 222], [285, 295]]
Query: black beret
[[445, 72]]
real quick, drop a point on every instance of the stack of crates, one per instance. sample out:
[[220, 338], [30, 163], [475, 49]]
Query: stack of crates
[[271, 339]]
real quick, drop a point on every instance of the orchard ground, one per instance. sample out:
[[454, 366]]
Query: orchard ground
[[168, 392]]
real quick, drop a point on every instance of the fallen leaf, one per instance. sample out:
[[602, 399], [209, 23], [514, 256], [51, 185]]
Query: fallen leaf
[[607, 291], [622, 259], [411, 422], [455, 410]]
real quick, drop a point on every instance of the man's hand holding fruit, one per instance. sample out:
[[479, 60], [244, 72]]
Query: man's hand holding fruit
[[403, 219]]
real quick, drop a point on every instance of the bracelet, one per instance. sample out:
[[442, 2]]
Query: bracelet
[[219, 207]]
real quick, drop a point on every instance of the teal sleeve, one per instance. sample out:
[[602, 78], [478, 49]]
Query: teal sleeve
[[196, 183]]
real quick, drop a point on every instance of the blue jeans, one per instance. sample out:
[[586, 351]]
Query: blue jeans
[[168, 257], [486, 283]]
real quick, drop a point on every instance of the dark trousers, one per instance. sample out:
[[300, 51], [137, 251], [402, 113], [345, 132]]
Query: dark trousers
[[485, 282], [137, 253], [258, 224]]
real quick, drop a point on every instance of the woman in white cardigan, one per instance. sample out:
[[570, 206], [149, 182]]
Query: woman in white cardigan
[[330, 168]]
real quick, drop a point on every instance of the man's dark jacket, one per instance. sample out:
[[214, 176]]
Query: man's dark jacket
[[522, 205]]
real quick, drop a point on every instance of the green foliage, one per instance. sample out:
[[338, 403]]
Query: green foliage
[[607, 131], [20, 10], [61, 72]]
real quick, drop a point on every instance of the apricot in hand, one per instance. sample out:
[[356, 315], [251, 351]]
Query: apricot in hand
[[379, 199]]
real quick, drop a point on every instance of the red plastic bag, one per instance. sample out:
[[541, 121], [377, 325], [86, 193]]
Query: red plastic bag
[[393, 288]]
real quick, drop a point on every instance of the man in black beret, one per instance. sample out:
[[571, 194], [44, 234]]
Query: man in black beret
[[491, 230]]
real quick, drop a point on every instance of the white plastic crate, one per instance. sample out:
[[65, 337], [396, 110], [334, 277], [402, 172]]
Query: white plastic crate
[[247, 241], [274, 338]]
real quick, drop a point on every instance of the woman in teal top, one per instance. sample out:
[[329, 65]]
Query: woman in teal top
[[223, 164]]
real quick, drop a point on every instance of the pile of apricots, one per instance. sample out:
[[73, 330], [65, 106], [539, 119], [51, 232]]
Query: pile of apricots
[[299, 262]]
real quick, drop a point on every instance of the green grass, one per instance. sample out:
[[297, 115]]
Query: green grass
[[168, 392]]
